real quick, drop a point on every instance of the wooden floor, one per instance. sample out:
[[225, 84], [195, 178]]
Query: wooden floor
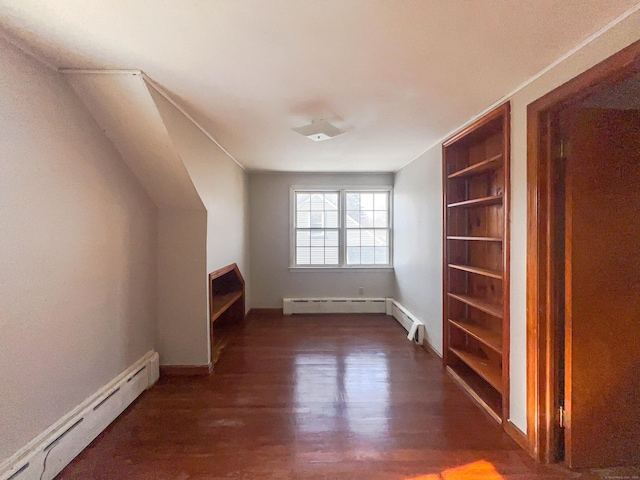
[[305, 397]]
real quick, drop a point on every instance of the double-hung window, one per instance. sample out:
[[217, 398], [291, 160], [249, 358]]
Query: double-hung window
[[341, 227]]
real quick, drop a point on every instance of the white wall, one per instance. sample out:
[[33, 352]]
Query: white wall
[[182, 327], [418, 241], [77, 249], [271, 277], [609, 42]]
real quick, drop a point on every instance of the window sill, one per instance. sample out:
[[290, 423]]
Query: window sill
[[341, 269]]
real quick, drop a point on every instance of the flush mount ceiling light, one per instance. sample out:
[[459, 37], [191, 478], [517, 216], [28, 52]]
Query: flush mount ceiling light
[[319, 130]]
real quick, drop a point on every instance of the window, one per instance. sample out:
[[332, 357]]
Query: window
[[317, 232], [341, 228]]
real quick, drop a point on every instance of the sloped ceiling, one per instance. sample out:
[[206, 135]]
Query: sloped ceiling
[[125, 110], [397, 75]]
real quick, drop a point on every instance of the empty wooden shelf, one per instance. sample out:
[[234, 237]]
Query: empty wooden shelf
[[492, 163], [226, 306], [480, 271], [477, 202], [482, 367], [474, 238], [490, 338], [480, 303]]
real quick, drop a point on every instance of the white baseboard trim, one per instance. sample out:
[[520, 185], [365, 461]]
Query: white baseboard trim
[[47, 454]]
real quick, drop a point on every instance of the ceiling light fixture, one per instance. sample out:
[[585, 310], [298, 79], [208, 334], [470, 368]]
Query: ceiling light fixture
[[319, 130]]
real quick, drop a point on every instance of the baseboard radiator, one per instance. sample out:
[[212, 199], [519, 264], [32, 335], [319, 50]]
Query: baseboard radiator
[[414, 327], [334, 305], [48, 454]]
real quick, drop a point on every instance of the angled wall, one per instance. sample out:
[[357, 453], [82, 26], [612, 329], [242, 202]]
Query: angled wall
[[123, 107], [221, 184], [201, 196], [77, 249]]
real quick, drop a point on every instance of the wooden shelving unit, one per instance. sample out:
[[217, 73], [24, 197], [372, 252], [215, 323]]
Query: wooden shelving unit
[[476, 260], [226, 306]]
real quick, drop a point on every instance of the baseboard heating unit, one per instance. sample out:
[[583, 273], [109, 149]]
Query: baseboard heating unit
[[414, 327], [334, 305], [47, 455]]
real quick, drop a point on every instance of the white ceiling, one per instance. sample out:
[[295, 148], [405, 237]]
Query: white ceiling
[[396, 74]]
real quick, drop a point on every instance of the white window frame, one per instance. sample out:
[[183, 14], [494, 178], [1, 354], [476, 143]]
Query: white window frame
[[342, 229]]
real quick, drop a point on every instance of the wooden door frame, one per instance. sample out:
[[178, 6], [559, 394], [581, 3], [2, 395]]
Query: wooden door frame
[[541, 343]]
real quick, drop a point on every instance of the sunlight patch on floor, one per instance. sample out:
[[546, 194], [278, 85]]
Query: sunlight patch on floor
[[480, 470]]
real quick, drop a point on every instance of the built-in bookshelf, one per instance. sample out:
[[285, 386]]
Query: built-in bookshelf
[[226, 306], [476, 260]]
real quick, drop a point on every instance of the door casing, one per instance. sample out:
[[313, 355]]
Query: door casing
[[542, 395]]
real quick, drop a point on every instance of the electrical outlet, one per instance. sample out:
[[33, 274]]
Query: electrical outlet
[[361, 291]]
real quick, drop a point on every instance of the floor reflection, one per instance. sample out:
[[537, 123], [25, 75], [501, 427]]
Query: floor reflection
[[316, 392], [331, 390], [366, 383]]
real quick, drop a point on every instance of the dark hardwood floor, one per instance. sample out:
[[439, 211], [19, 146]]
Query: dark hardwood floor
[[304, 397]]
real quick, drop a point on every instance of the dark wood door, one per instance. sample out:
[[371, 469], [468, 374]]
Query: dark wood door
[[602, 255]]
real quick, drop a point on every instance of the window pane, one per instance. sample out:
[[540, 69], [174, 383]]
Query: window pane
[[366, 201], [382, 238], [367, 255], [353, 219], [366, 218], [303, 201], [353, 201], [317, 219], [353, 255], [303, 255], [317, 255], [331, 201], [382, 255], [353, 238], [331, 238], [367, 238], [331, 256], [303, 220], [317, 201], [331, 219], [317, 238], [381, 219], [380, 201], [303, 238]]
